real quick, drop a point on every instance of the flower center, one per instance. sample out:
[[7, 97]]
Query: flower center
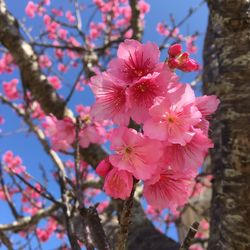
[[142, 87], [86, 119], [128, 150], [170, 119]]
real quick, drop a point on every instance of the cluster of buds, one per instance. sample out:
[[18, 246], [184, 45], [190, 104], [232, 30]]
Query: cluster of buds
[[180, 60]]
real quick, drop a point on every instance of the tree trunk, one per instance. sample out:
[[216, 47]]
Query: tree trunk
[[227, 74]]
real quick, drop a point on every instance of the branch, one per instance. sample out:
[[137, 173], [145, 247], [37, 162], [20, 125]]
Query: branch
[[124, 221], [190, 236], [7, 195], [96, 230], [6, 241], [29, 221], [27, 60], [135, 20], [39, 134]]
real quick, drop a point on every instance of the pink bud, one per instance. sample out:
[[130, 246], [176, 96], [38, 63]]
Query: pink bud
[[103, 167], [174, 50], [173, 63], [189, 65]]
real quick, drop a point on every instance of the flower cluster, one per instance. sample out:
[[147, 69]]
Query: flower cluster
[[178, 59], [13, 164], [62, 132], [173, 139]]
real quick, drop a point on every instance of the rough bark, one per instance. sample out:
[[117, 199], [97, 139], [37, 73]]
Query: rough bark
[[227, 74]]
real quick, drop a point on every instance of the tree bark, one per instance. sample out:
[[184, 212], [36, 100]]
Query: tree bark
[[227, 74]]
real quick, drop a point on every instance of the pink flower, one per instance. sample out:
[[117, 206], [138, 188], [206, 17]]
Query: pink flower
[[118, 183], [61, 132], [43, 235], [181, 60], [173, 116], [104, 167], [62, 67], [91, 134], [110, 99], [174, 50], [196, 247], [31, 9], [47, 2], [62, 33], [135, 60], [6, 63], [55, 82], [10, 89], [13, 163], [143, 92], [44, 61], [191, 48], [168, 189], [190, 156], [207, 105], [70, 16], [57, 12], [143, 7], [162, 29], [135, 152], [1, 120]]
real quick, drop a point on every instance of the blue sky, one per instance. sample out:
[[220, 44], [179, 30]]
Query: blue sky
[[25, 144]]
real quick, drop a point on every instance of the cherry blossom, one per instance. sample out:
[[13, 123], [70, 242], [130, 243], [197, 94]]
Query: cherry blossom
[[173, 116], [191, 155], [168, 188], [10, 89], [13, 164], [118, 183], [135, 60], [180, 60], [135, 153], [61, 132], [111, 99], [31, 9]]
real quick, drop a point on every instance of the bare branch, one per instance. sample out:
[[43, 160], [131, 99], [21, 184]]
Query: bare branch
[[5, 240], [135, 20], [29, 221]]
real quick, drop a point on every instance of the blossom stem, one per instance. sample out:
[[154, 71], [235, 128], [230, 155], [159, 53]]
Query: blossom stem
[[124, 220]]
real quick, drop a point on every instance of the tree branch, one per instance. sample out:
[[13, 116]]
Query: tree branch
[[135, 20], [27, 60], [29, 221]]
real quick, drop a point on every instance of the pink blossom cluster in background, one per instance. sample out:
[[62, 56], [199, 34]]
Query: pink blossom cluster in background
[[6, 63], [10, 89], [173, 140], [62, 132], [13, 164]]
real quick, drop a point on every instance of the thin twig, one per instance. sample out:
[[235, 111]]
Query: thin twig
[[7, 195], [43, 192], [190, 13], [74, 86], [28, 221]]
